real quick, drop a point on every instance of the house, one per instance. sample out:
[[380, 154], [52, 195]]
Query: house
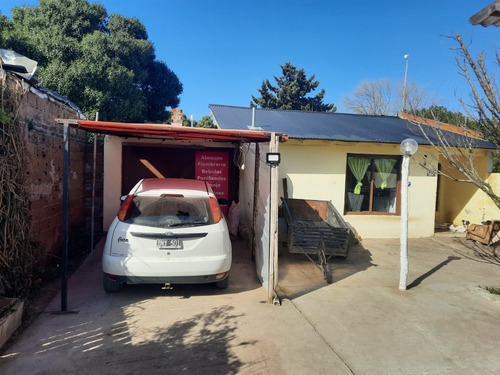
[[354, 161]]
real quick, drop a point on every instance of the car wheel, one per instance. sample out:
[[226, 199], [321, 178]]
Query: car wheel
[[223, 284], [110, 285]]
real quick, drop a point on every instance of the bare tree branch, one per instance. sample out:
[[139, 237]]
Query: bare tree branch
[[383, 97], [457, 145]]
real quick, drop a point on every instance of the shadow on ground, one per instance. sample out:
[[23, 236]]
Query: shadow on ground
[[137, 329], [432, 271], [479, 252], [299, 275], [192, 345]]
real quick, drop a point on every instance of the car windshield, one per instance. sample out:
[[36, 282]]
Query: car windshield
[[168, 212]]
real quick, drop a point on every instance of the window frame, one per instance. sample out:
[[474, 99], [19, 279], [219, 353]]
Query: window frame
[[399, 159]]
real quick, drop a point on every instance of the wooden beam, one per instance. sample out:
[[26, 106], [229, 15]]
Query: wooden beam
[[273, 223]]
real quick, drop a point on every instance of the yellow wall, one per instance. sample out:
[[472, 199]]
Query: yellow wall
[[464, 201], [491, 211], [316, 170]]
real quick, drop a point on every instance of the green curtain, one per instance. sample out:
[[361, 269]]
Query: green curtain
[[358, 168], [384, 167]]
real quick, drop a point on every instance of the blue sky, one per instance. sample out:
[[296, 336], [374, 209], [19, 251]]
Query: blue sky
[[222, 50]]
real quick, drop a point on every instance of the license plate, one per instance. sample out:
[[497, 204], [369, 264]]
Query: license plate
[[169, 243]]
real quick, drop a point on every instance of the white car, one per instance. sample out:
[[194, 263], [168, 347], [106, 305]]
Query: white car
[[168, 231]]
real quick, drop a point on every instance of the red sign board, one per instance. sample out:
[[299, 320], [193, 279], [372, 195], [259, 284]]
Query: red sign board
[[213, 167]]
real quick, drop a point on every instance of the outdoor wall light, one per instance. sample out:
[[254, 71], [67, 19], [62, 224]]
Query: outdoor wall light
[[273, 158], [409, 146]]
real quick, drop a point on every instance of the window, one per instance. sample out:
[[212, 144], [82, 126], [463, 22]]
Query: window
[[167, 212], [372, 184]]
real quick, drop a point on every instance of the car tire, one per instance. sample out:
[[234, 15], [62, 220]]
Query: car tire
[[223, 284], [110, 285]]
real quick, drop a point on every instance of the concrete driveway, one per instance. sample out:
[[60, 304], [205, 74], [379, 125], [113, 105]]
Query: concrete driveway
[[361, 324]]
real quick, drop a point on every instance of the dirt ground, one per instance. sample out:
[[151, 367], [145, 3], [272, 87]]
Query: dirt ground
[[445, 323]]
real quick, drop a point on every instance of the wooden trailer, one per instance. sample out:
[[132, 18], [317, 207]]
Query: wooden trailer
[[315, 228]]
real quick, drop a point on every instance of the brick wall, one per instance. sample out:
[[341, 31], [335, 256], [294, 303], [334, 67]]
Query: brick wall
[[44, 140], [176, 118]]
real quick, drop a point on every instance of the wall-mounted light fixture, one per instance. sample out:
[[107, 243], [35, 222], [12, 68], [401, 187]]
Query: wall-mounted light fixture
[[273, 158]]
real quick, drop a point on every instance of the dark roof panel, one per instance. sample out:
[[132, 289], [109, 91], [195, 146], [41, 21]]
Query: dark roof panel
[[323, 126], [487, 16]]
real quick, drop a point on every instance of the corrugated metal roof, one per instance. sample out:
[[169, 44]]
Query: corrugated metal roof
[[18, 64], [165, 131], [487, 16], [326, 126]]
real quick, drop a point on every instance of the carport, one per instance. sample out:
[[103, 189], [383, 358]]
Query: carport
[[133, 151]]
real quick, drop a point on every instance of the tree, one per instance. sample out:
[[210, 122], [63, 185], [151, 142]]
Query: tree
[[103, 63], [484, 109], [4, 24], [188, 122], [441, 114], [371, 98], [290, 92], [385, 98], [206, 122]]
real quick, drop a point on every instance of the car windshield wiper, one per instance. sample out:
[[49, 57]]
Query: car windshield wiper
[[188, 223]]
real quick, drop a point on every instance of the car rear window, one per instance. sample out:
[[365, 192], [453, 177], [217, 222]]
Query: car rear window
[[168, 212]]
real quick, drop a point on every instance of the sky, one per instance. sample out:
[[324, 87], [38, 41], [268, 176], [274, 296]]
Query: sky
[[222, 50]]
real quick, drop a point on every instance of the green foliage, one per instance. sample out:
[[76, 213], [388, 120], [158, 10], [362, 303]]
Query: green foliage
[[493, 290], [290, 92], [440, 113], [206, 122], [103, 63], [4, 25], [5, 117], [187, 122], [161, 86], [496, 162]]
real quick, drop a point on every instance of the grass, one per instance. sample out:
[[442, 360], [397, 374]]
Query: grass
[[493, 290]]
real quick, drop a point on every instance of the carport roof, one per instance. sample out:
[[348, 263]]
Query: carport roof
[[166, 131]]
